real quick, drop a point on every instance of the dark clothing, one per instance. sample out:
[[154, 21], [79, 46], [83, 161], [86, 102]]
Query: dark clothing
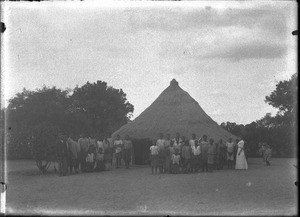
[[127, 157], [62, 156]]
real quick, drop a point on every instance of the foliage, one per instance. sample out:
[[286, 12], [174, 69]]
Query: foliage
[[278, 131], [36, 117]]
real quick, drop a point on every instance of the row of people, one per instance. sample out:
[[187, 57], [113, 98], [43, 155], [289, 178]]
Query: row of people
[[91, 153], [181, 155]]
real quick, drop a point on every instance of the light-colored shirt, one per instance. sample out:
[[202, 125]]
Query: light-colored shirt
[[73, 147], [160, 144], [90, 157], [229, 146], [175, 159], [100, 144], [192, 143], [154, 150], [118, 144], [177, 145], [196, 150]]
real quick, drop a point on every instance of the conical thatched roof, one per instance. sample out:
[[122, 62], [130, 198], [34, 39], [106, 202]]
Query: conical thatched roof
[[173, 111]]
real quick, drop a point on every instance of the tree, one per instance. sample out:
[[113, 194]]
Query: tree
[[34, 119], [103, 108]]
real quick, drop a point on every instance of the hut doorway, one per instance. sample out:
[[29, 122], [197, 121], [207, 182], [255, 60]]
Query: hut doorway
[[141, 150]]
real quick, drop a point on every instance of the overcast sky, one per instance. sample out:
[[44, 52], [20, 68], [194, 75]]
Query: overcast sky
[[228, 58]]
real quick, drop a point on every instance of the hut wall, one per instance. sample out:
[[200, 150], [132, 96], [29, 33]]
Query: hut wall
[[141, 150]]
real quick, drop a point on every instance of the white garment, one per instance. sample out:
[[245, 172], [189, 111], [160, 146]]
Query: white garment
[[154, 150], [117, 144], [192, 143], [196, 150], [241, 162]]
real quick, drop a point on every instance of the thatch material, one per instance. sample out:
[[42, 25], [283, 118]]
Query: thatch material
[[173, 111]]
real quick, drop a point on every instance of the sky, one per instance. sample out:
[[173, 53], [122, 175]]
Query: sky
[[227, 55]]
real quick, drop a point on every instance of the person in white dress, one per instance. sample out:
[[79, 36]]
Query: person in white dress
[[241, 162]]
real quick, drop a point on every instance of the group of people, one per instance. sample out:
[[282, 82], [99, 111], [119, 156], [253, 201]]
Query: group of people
[[265, 151], [89, 153], [181, 155]]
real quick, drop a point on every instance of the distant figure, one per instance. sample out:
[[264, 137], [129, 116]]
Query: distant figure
[[235, 148], [193, 141], [268, 154], [186, 157], [108, 151], [160, 143], [154, 157], [204, 149], [229, 151], [127, 151], [196, 151], [211, 152], [168, 147], [177, 142], [175, 162], [100, 162], [241, 162], [263, 150], [118, 145], [90, 160], [217, 157], [74, 152], [222, 154], [83, 142], [62, 155]]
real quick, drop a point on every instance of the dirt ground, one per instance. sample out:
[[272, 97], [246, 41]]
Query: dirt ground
[[260, 190]]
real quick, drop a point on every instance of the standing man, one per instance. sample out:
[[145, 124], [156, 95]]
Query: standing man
[[177, 142], [160, 143], [62, 155], [74, 152], [204, 152], [84, 148], [127, 151]]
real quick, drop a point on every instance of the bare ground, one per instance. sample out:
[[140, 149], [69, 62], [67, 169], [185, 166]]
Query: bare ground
[[261, 190]]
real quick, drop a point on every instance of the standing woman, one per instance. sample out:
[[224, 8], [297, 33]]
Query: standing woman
[[241, 162], [222, 154], [167, 145], [108, 153], [118, 145], [229, 151], [204, 149], [211, 152], [127, 151]]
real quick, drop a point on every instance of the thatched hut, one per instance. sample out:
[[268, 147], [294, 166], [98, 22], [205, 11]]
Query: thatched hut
[[173, 111]]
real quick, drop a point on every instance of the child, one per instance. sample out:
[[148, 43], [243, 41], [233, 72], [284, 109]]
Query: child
[[90, 160], [211, 155], [154, 156], [175, 162], [100, 163], [268, 154], [186, 156]]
